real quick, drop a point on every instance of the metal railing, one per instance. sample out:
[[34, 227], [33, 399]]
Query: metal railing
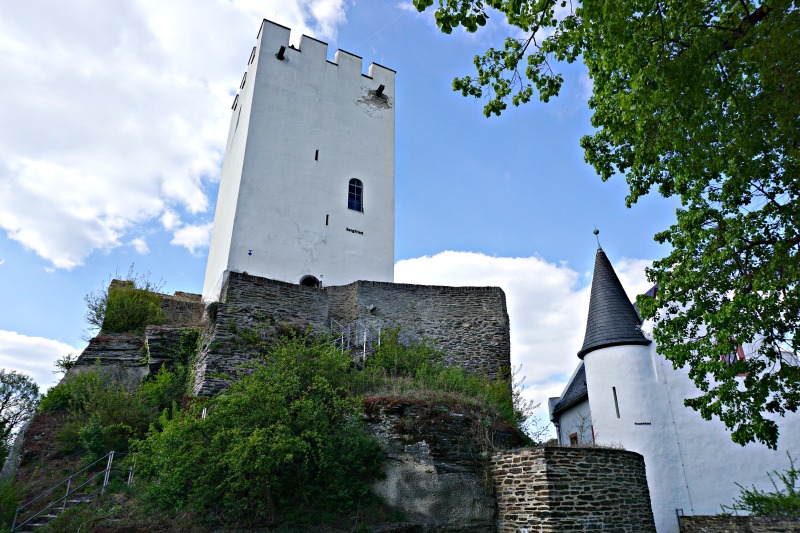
[[75, 485], [355, 336]]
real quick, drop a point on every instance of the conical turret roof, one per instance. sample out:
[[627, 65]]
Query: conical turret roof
[[612, 321]]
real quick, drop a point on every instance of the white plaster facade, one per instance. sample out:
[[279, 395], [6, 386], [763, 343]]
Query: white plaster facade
[[576, 422], [302, 128], [635, 400]]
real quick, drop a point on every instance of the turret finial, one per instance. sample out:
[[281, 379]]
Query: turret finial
[[597, 236]]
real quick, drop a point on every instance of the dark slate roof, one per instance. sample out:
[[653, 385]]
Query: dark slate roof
[[575, 393], [612, 319]]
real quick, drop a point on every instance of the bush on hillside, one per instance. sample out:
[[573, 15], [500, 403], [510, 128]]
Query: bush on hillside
[[125, 307], [105, 412], [288, 436], [418, 368]]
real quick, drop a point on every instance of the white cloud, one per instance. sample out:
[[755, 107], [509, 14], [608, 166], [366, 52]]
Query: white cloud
[[33, 355], [547, 307], [116, 113], [140, 245], [170, 220], [193, 236], [406, 6]]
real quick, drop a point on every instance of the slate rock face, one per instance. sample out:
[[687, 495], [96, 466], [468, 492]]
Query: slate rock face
[[163, 345], [121, 353], [436, 462]]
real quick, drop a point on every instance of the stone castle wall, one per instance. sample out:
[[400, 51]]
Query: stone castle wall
[[469, 323], [553, 489], [182, 309], [739, 524]]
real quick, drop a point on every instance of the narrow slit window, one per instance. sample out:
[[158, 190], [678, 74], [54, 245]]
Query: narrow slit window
[[316, 155], [355, 195], [616, 404]]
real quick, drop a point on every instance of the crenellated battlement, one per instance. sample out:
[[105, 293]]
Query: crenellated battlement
[[273, 40], [314, 50]]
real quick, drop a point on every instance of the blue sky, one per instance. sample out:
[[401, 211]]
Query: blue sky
[[112, 133]]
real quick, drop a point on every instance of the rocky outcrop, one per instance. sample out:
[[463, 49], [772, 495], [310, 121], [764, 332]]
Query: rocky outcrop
[[130, 357], [121, 353], [167, 345], [437, 454]]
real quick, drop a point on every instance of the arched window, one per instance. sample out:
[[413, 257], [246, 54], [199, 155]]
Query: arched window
[[310, 281], [355, 195]]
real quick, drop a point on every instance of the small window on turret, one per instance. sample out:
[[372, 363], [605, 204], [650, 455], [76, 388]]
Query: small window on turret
[[355, 195]]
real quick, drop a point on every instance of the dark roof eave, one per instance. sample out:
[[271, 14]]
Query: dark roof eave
[[575, 401], [643, 342]]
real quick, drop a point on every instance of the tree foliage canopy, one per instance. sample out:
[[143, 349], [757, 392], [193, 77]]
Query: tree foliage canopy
[[287, 436], [698, 100], [19, 396]]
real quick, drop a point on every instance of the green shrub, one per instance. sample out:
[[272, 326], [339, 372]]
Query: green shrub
[[130, 309], [92, 439], [106, 412], [162, 390], [56, 399], [127, 305], [418, 368], [10, 497], [783, 501], [399, 359], [287, 436]]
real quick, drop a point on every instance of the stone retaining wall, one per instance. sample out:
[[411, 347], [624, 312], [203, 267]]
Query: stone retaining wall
[[469, 323], [554, 489], [739, 524], [182, 309]]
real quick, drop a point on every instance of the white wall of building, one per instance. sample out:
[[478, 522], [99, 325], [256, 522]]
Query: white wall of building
[[576, 420], [713, 462], [303, 129]]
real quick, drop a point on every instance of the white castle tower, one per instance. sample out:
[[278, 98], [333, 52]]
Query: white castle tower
[[307, 188], [629, 407]]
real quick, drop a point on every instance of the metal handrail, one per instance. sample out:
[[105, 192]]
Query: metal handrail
[[355, 335], [106, 473]]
